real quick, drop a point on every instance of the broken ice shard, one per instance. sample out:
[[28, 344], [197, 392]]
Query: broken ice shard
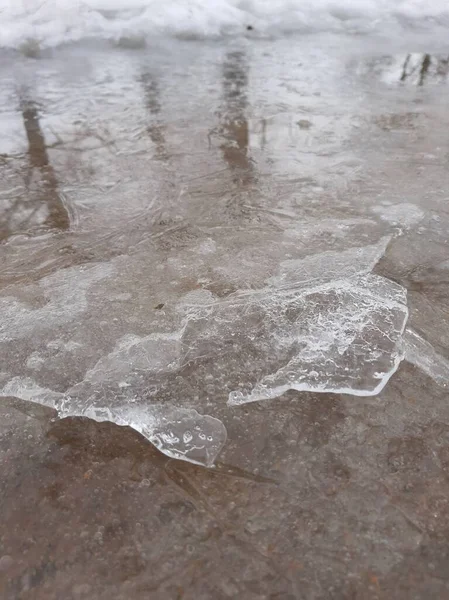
[[177, 432], [180, 433], [342, 336]]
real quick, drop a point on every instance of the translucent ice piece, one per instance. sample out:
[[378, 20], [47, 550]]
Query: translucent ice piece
[[26, 388], [62, 296], [155, 352], [423, 355], [177, 432], [330, 266], [343, 336]]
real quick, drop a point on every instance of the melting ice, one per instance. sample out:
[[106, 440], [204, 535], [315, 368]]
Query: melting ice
[[323, 323], [177, 432]]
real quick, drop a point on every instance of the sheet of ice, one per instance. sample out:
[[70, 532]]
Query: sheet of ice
[[154, 352], [342, 336], [403, 214], [328, 266], [180, 433], [348, 340], [26, 388], [423, 355], [61, 298], [56, 21], [324, 323]]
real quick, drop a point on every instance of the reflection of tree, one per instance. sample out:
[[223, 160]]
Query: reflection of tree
[[234, 124], [38, 157], [25, 210], [414, 69], [419, 68], [152, 102]]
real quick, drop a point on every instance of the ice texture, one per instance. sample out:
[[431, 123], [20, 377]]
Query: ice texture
[[403, 214], [304, 332], [331, 265], [320, 323], [62, 297], [423, 355], [180, 433]]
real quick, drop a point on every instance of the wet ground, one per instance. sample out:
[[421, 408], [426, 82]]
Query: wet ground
[[142, 184]]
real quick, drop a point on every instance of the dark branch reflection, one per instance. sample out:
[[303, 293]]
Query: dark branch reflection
[[25, 211], [415, 68], [234, 124], [156, 129]]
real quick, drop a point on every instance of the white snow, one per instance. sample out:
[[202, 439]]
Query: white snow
[[51, 22]]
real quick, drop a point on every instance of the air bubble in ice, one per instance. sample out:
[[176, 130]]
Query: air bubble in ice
[[187, 437]]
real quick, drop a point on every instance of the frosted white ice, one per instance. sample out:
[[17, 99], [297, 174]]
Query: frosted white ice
[[57, 21], [403, 214]]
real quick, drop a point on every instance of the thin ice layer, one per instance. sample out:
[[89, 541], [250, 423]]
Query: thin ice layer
[[353, 346], [177, 432], [342, 337], [423, 355], [152, 353], [180, 433], [62, 297], [330, 266]]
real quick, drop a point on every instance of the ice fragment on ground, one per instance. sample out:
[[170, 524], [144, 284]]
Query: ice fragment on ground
[[422, 354], [64, 297], [404, 214], [152, 353], [26, 388], [330, 266], [180, 433], [344, 336]]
